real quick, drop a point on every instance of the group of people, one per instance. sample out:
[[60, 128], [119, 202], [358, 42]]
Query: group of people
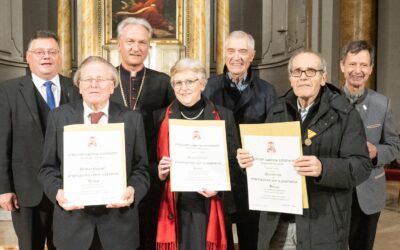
[[352, 137]]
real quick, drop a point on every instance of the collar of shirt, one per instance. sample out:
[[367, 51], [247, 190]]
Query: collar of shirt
[[303, 111], [87, 111], [353, 98], [241, 85], [56, 88]]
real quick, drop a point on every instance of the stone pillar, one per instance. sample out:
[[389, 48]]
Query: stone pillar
[[308, 29], [197, 31], [64, 33], [88, 30], [222, 33], [358, 22]]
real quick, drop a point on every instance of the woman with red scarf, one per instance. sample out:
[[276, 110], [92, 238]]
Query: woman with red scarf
[[194, 220]]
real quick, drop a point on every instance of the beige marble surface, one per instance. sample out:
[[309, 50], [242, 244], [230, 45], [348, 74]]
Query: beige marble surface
[[64, 33], [222, 32]]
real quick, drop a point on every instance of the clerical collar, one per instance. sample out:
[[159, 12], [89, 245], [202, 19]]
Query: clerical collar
[[353, 97], [128, 73]]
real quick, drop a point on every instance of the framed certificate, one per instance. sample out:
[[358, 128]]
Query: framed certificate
[[94, 171], [199, 156], [273, 183]]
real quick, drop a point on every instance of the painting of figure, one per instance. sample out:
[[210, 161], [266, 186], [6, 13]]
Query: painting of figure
[[161, 14]]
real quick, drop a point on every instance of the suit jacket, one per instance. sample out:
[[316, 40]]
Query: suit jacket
[[376, 113], [117, 228], [21, 137]]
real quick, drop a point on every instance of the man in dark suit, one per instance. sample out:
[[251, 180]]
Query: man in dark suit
[[382, 140], [24, 105], [114, 226], [250, 98], [145, 90]]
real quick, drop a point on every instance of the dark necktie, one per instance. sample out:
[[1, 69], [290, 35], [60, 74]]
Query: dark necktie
[[95, 117], [49, 94]]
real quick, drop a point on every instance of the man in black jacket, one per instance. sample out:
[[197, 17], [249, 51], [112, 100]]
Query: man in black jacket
[[144, 90], [335, 160], [24, 105], [250, 98]]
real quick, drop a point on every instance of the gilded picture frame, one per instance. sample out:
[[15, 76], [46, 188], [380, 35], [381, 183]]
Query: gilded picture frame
[[165, 16]]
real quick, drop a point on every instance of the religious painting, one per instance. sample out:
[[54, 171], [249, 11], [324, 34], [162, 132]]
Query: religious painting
[[163, 15]]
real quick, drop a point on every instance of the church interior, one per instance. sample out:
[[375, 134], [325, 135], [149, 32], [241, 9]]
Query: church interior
[[198, 29]]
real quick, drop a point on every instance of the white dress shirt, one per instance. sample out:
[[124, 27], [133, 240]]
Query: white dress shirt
[[87, 111], [56, 87]]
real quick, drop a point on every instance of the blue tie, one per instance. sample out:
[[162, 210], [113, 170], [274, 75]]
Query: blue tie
[[50, 97]]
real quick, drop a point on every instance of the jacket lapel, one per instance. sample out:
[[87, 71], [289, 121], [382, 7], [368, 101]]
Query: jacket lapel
[[362, 108], [114, 113], [28, 93]]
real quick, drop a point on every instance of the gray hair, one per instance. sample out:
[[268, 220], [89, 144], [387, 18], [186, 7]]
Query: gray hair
[[188, 64], [134, 21], [96, 59], [241, 34], [355, 47], [323, 64]]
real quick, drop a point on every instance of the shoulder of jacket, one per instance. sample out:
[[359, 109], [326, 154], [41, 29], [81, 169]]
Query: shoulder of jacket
[[337, 99], [279, 106], [214, 79], [13, 82], [372, 94], [66, 80], [157, 73]]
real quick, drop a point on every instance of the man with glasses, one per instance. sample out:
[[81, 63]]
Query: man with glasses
[[249, 98], [334, 160], [144, 90], [382, 140], [111, 226], [24, 105]]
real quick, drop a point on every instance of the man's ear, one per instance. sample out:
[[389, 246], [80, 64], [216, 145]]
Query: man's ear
[[253, 55], [342, 66]]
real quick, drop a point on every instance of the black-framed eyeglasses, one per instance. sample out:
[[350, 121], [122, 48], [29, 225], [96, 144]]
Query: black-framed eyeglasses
[[41, 53], [189, 83], [310, 72]]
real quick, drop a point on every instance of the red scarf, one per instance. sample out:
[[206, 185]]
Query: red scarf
[[167, 230]]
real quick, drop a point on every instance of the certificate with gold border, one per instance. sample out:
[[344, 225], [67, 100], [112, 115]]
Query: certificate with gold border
[[273, 183]]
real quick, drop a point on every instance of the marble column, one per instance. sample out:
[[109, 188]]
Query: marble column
[[358, 22], [222, 33], [197, 31], [64, 34], [88, 30]]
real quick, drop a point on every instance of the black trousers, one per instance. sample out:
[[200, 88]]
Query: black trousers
[[33, 226], [362, 227], [247, 229]]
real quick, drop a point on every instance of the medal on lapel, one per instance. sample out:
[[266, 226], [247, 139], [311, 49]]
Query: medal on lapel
[[310, 135]]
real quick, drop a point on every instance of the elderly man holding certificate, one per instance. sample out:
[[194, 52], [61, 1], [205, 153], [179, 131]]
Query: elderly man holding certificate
[[335, 160], [95, 174], [195, 218]]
